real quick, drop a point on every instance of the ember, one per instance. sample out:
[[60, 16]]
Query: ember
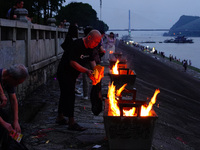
[[114, 109]]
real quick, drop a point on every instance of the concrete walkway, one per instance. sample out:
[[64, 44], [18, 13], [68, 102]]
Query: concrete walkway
[[42, 133]]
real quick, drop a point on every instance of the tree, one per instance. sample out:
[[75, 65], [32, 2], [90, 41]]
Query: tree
[[39, 10], [82, 14], [45, 9]]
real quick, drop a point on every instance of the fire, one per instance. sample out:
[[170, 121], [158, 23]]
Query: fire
[[114, 107], [145, 111], [111, 52], [121, 89], [115, 68], [113, 104], [98, 74]]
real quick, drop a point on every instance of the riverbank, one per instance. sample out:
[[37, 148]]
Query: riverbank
[[191, 70], [177, 108], [187, 51]]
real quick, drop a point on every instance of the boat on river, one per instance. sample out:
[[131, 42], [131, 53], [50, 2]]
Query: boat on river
[[179, 39], [127, 39]]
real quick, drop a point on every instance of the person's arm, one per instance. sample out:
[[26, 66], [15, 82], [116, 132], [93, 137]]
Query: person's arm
[[82, 69], [3, 99], [29, 19], [6, 125], [93, 64], [102, 50], [14, 106]]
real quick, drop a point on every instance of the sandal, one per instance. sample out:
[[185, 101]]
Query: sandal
[[76, 127], [62, 122]]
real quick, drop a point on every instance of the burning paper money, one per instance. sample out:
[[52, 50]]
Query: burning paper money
[[98, 74]]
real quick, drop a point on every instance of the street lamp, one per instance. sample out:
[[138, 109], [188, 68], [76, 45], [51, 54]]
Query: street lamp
[[100, 8]]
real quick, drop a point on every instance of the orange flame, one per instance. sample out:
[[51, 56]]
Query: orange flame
[[145, 111], [113, 104], [121, 89], [111, 52], [115, 68], [114, 107]]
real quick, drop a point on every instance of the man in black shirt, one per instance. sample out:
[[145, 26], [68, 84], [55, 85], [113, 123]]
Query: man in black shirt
[[70, 66]]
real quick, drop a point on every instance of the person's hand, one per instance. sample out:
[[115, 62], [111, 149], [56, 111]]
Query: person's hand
[[7, 126], [90, 74], [104, 51], [15, 16], [16, 127], [3, 100]]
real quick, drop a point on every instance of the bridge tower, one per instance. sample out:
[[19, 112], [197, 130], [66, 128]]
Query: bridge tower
[[100, 8], [129, 25]]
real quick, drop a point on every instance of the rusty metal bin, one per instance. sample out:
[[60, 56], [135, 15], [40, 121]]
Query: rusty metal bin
[[129, 133], [125, 76]]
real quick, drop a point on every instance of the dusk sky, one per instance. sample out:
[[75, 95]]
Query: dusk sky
[[145, 14]]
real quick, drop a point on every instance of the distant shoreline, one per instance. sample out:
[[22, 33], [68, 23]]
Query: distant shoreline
[[191, 70]]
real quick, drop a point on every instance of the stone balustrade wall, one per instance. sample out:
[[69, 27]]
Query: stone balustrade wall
[[36, 46]]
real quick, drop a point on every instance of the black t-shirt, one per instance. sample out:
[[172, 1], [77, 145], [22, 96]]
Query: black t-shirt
[[76, 52], [67, 43]]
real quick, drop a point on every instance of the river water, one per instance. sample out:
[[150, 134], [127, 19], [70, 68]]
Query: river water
[[188, 51]]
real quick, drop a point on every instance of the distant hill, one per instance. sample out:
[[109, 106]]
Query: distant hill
[[187, 26]]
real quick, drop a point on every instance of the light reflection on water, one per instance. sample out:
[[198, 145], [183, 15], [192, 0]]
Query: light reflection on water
[[189, 51]]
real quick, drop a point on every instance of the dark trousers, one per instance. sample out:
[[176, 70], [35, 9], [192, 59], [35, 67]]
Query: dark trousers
[[67, 94], [3, 131]]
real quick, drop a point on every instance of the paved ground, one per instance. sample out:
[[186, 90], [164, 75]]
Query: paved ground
[[177, 108]]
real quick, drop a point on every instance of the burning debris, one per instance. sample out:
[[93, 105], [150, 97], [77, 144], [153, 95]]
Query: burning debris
[[98, 74], [115, 68], [121, 75], [114, 108], [129, 124]]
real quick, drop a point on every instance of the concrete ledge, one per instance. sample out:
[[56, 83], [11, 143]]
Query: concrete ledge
[[42, 63]]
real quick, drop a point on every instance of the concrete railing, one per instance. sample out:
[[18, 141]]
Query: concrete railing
[[30, 44], [36, 46]]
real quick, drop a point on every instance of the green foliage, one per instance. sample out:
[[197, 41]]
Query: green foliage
[[41, 10], [82, 14]]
